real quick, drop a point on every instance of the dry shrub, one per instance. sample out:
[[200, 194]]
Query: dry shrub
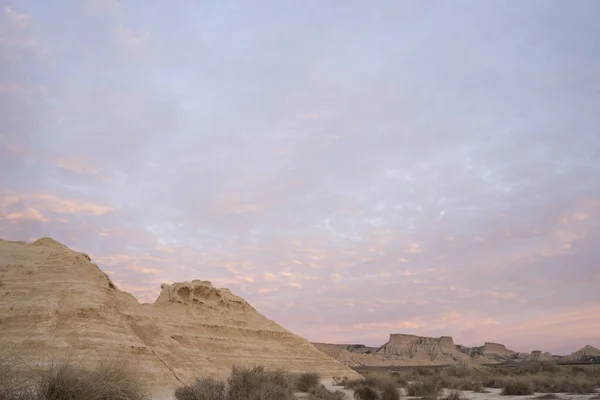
[[400, 379], [340, 380], [458, 371], [12, 384], [429, 387], [322, 393], [496, 382], [373, 380], [530, 367], [517, 387], [109, 381], [366, 393], [257, 384], [577, 386], [307, 381], [455, 395], [390, 392], [203, 389]]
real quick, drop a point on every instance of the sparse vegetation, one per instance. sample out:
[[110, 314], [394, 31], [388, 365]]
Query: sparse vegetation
[[517, 387], [390, 392], [69, 381], [203, 389], [258, 384], [365, 393], [322, 393], [455, 395], [547, 396], [428, 387], [307, 381]]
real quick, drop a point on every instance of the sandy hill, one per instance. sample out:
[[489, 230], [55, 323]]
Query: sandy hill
[[585, 353], [56, 302]]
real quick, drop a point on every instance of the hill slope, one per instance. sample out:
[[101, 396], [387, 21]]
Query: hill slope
[[56, 302]]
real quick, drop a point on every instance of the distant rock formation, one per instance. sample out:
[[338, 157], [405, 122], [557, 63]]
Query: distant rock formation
[[587, 353], [402, 349], [538, 356], [55, 302]]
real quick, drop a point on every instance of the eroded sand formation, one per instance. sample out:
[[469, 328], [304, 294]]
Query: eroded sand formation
[[56, 303], [402, 349]]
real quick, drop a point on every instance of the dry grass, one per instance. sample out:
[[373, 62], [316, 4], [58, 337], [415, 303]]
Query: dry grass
[[68, 381], [390, 392], [204, 388], [258, 384], [307, 381], [543, 377], [455, 395], [517, 387], [377, 380], [427, 387], [322, 393], [365, 393], [112, 381], [245, 383]]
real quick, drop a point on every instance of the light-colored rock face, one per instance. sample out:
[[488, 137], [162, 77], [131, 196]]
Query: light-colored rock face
[[497, 349], [56, 303], [585, 352], [403, 349]]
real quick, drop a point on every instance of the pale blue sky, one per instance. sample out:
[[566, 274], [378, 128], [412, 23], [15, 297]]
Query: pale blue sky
[[351, 168]]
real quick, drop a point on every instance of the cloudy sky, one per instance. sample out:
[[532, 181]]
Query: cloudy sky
[[351, 168]]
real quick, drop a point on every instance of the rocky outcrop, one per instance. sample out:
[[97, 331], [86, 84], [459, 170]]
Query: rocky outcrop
[[538, 356], [585, 354], [56, 303], [497, 350], [402, 349]]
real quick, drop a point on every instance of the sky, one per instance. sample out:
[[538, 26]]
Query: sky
[[350, 168]]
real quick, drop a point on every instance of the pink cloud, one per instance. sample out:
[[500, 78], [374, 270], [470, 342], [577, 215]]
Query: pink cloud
[[19, 19]]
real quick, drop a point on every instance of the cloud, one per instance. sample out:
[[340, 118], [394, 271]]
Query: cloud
[[131, 40], [26, 214], [342, 183], [19, 19], [76, 165]]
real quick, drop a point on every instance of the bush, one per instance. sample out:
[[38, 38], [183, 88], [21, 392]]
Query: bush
[[365, 393], [12, 385], [257, 384], [340, 380], [322, 393], [400, 379], [425, 388], [517, 387], [390, 392], [203, 389], [455, 395], [373, 380], [307, 381], [65, 381]]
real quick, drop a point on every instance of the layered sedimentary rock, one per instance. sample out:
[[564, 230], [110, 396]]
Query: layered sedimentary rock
[[587, 353], [402, 349], [538, 356], [56, 303], [497, 350]]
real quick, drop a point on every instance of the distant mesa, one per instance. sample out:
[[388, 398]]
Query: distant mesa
[[56, 302], [406, 350]]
